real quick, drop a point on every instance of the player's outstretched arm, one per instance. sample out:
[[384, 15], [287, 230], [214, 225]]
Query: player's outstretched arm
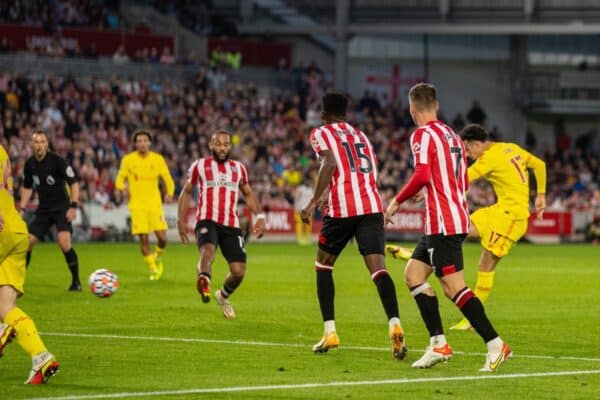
[[165, 175], [121, 176], [72, 210], [27, 188], [182, 205], [328, 166], [260, 226], [539, 171], [26, 194]]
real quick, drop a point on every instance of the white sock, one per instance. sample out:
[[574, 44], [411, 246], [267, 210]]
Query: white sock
[[437, 341], [494, 344], [329, 326], [393, 322]]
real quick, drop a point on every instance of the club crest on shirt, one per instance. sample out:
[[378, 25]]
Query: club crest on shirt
[[50, 180]]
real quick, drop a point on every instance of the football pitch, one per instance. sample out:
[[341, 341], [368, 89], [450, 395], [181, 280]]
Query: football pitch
[[158, 340]]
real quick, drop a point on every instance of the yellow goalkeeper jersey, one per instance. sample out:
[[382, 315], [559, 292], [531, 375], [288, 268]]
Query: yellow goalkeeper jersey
[[12, 221], [505, 166], [142, 175]]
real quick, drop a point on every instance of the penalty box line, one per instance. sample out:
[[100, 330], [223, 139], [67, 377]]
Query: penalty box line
[[258, 388], [275, 344]]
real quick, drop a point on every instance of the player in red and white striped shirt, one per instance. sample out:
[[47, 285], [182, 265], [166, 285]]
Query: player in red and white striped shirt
[[349, 170], [441, 170], [219, 181]]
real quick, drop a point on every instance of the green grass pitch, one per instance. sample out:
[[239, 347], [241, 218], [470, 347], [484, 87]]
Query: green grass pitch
[[158, 340]]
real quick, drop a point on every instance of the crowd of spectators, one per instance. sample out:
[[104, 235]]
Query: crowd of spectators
[[52, 14], [90, 123], [199, 16]]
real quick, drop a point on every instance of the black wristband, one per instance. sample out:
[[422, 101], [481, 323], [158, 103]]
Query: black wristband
[[74, 204]]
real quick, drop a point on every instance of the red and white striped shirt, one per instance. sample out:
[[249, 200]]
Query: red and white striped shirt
[[443, 150], [218, 189], [353, 189]]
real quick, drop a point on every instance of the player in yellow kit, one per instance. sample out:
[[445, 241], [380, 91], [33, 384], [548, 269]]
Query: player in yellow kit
[[14, 242], [142, 170], [500, 226]]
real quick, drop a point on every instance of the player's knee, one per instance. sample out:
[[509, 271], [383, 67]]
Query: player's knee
[[8, 300], [325, 258], [411, 279], [238, 270], [161, 242], [207, 252], [65, 245]]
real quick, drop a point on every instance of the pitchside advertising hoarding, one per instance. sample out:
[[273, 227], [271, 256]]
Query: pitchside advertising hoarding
[[105, 42], [281, 222]]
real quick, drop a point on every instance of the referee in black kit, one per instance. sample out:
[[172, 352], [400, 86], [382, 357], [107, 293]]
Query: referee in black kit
[[49, 175]]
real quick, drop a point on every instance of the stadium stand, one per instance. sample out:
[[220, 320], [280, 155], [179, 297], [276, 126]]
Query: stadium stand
[[90, 122]]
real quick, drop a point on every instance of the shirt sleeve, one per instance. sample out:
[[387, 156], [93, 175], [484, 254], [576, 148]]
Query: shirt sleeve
[[193, 173], [66, 171], [420, 146], [121, 175], [165, 174], [317, 141], [481, 167], [539, 170], [28, 176], [244, 180], [420, 178]]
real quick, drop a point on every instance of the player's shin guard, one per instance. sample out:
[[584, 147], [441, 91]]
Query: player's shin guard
[[325, 290], [73, 264], [473, 310], [27, 335], [387, 292], [429, 308], [485, 282]]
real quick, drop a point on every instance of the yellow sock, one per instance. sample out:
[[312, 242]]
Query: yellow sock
[[27, 335], [485, 281], [149, 259], [158, 251]]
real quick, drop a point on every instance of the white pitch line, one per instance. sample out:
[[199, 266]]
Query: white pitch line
[[275, 344], [316, 385]]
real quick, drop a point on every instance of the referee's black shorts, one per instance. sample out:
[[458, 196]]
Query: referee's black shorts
[[367, 229], [43, 221]]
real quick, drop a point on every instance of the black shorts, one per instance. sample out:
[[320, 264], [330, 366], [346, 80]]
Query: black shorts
[[367, 229], [42, 222], [231, 240], [443, 253]]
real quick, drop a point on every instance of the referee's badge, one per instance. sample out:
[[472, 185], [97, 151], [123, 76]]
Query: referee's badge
[[70, 172], [50, 180]]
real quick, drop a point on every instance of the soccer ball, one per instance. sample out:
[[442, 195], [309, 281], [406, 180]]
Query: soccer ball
[[103, 282]]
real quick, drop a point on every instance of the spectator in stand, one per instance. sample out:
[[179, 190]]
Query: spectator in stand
[[120, 56], [5, 45], [476, 115], [154, 57], [166, 57]]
